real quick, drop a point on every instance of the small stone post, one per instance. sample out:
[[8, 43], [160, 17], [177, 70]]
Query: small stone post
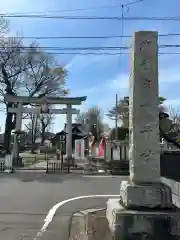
[[144, 191]]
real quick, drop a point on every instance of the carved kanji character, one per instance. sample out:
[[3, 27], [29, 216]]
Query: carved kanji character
[[147, 83], [145, 63], [144, 43]]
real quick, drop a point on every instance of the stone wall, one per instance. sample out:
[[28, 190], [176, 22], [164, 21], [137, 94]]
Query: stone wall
[[175, 188]]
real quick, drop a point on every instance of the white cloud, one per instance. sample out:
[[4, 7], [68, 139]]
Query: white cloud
[[121, 81], [173, 102], [118, 82], [111, 123], [169, 75], [80, 62], [12, 5]]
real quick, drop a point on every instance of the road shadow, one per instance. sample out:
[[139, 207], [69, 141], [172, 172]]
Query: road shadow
[[30, 176]]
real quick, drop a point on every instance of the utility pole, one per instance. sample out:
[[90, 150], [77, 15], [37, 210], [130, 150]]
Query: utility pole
[[116, 119], [97, 127]]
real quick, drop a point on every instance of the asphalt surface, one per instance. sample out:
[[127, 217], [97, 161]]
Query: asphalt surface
[[26, 198]]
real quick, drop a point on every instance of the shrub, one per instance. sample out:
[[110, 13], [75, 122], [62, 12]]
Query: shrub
[[48, 150], [122, 165]]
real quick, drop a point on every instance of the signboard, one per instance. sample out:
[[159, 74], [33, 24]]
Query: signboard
[[62, 138]]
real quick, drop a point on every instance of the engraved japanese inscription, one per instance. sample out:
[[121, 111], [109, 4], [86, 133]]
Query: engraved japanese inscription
[[144, 43], [147, 154], [143, 123], [147, 83], [145, 64]]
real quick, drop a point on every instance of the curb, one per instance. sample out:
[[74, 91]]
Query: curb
[[90, 224]]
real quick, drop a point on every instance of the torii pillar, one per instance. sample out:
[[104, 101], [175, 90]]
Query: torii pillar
[[69, 133]]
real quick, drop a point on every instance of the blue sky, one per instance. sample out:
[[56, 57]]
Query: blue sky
[[100, 77]]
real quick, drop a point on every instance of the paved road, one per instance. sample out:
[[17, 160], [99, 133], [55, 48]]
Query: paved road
[[25, 199]]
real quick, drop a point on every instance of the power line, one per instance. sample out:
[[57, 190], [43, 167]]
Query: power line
[[92, 48], [46, 16], [100, 53], [133, 2], [66, 48], [86, 37], [75, 9], [169, 45], [104, 53], [67, 10], [69, 37]]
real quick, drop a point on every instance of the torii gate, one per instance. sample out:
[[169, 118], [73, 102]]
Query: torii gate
[[44, 102]]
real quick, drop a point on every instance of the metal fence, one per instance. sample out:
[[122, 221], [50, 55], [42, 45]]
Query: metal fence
[[58, 166], [170, 165], [54, 166], [120, 151], [6, 164], [2, 166], [112, 152]]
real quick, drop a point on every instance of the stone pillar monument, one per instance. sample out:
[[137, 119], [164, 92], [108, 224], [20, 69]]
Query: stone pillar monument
[[143, 110], [144, 191]]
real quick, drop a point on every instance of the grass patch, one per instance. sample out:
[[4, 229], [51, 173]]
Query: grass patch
[[29, 159]]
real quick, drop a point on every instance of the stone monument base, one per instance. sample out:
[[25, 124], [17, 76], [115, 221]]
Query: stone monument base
[[152, 195], [143, 224]]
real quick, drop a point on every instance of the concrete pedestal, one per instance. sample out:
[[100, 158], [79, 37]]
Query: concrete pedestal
[[143, 224], [152, 195]]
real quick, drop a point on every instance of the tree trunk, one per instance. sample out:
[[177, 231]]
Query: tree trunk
[[33, 139], [42, 136], [7, 134]]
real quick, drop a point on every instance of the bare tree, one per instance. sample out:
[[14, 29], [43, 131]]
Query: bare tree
[[91, 121], [44, 77], [174, 115], [37, 125], [122, 109], [82, 119], [32, 127], [45, 121], [4, 25], [13, 63], [26, 70]]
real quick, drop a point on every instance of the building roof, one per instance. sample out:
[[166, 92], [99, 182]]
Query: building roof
[[78, 127]]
